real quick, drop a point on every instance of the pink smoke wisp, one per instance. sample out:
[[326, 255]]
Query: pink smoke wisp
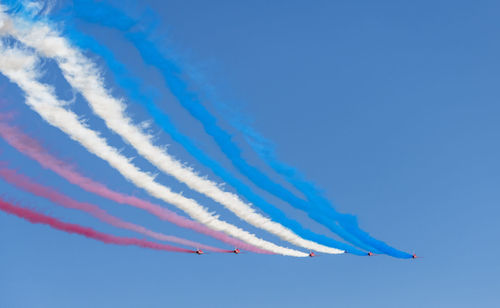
[[37, 218]]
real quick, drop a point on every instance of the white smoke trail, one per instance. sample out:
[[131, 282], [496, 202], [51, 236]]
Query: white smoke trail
[[20, 67], [83, 75]]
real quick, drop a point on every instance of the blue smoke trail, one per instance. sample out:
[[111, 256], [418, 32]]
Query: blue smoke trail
[[189, 100], [265, 150]]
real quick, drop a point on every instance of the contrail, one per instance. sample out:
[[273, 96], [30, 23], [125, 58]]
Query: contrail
[[315, 208], [19, 67], [37, 218], [34, 150], [27, 184], [84, 76]]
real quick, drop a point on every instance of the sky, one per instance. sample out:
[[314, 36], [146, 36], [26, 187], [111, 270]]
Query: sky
[[390, 107]]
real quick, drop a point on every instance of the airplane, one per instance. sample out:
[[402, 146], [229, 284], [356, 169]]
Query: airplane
[[312, 254], [414, 256], [236, 251], [199, 252], [370, 254]]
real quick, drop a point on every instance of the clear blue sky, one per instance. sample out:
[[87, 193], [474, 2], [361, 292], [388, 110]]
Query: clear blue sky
[[392, 108]]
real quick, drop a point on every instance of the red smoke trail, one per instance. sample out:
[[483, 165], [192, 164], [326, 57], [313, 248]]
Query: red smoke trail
[[27, 184], [31, 148], [38, 218]]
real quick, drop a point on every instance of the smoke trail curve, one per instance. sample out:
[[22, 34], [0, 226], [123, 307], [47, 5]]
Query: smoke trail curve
[[37, 218], [189, 100]]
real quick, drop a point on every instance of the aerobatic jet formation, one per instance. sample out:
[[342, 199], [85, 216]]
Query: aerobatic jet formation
[[20, 23]]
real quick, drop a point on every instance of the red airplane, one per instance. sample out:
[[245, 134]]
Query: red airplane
[[199, 252], [312, 254], [369, 254], [236, 251], [414, 256]]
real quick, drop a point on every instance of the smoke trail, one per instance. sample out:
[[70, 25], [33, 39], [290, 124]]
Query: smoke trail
[[172, 75], [189, 100], [83, 76], [132, 86], [37, 218], [19, 67], [25, 183], [31, 148]]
